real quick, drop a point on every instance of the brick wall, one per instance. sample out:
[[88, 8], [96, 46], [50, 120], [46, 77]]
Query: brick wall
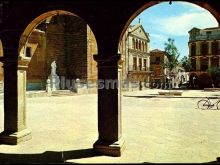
[[70, 42], [36, 73], [76, 48], [91, 50]]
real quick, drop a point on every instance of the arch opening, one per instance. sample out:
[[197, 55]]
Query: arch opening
[[57, 48], [155, 91]]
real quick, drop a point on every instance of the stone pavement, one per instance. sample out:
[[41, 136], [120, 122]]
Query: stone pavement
[[155, 129]]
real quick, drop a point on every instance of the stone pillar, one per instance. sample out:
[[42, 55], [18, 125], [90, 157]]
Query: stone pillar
[[198, 64], [148, 82], [110, 141], [209, 62], [48, 88], [219, 62], [15, 129]]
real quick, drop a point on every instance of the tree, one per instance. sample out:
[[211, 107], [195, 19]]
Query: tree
[[172, 55], [186, 64], [215, 75]]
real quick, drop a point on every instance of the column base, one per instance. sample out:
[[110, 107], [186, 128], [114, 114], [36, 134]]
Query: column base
[[15, 138], [109, 148]]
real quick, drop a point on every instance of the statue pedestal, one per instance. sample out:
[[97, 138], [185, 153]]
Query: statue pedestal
[[55, 82]]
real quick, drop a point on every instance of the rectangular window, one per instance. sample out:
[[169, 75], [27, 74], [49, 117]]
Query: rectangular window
[[28, 51], [193, 63], [193, 50], [215, 48], [140, 64], [204, 65], [145, 64], [204, 49], [157, 60], [134, 63], [215, 62]]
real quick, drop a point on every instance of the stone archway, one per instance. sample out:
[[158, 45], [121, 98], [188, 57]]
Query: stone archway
[[15, 127], [1, 80], [108, 36], [1, 64], [152, 3]]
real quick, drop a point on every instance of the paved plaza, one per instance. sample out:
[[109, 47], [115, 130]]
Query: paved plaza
[[156, 129]]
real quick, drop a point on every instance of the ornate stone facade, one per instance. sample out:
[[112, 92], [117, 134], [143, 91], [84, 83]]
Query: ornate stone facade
[[134, 49]]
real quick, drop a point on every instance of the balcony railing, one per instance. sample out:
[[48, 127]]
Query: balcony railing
[[204, 37]]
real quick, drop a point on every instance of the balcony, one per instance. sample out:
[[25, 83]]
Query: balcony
[[137, 68], [204, 37]]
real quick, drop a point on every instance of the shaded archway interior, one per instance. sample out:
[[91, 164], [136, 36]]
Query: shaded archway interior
[[64, 38]]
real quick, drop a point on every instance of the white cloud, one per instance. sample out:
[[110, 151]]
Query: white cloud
[[180, 25], [158, 37]]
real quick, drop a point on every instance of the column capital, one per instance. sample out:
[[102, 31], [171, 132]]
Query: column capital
[[23, 63], [111, 61]]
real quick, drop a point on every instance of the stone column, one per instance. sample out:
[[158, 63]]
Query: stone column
[[198, 64], [15, 129], [110, 141], [218, 61], [209, 62]]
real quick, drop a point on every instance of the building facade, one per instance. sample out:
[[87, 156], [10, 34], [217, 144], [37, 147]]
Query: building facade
[[134, 49], [204, 53], [69, 41], [159, 73]]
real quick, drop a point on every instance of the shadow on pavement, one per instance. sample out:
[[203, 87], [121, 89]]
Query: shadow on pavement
[[140, 96], [162, 96], [47, 157], [217, 161]]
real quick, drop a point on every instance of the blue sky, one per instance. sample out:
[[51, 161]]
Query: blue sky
[[163, 21]]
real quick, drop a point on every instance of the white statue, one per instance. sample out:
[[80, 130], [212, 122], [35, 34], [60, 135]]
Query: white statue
[[54, 78], [53, 68]]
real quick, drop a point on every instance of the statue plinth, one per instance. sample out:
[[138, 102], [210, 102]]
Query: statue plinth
[[55, 82]]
